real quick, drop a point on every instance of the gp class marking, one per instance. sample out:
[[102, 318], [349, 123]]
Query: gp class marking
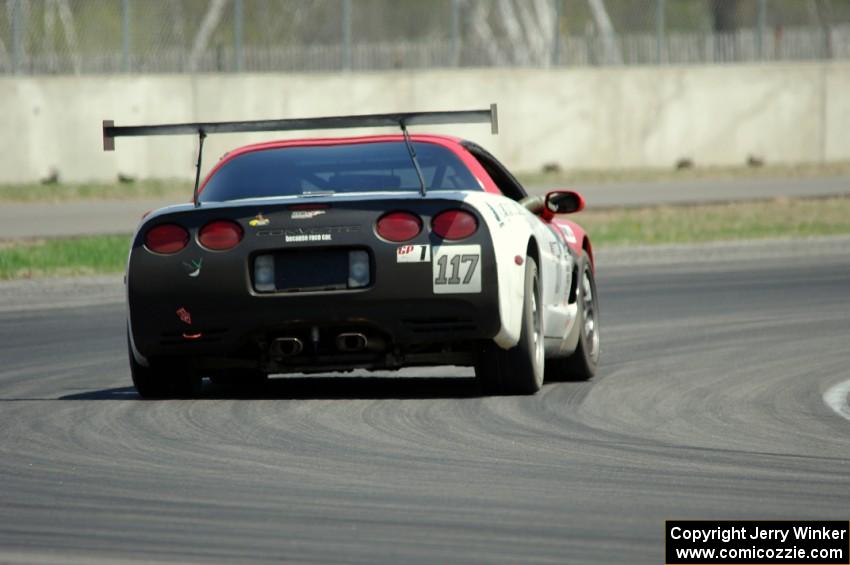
[[413, 254], [299, 235]]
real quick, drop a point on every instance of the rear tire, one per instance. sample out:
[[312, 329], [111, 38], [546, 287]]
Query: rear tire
[[582, 363], [160, 382], [518, 370]]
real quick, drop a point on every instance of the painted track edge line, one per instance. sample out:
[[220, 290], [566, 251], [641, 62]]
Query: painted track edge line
[[836, 398]]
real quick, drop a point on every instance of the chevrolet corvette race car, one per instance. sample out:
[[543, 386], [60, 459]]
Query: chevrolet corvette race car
[[375, 252]]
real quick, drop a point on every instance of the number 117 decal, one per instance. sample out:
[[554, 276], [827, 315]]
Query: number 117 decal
[[456, 269]]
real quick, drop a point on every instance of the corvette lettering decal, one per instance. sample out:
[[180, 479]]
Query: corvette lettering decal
[[295, 234]]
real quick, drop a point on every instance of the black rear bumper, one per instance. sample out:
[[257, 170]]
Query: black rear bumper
[[217, 319]]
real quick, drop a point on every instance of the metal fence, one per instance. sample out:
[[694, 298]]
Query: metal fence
[[153, 36]]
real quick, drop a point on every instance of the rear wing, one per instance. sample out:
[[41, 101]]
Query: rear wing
[[111, 131], [402, 120]]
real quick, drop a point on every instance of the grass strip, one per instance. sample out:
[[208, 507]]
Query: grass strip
[[72, 256], [632, 226], [781, 217]]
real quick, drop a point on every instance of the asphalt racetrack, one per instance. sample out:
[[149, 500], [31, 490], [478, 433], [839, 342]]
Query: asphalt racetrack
[[709, 405]]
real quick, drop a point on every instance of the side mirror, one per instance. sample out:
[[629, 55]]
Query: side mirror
[[562, 202]]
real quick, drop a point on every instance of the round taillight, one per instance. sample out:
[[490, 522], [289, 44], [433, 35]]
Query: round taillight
[[398, 226], [454, 224], [220, 235], [166, 238]]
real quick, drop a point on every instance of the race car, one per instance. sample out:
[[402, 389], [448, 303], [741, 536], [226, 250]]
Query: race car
[[374, 252]]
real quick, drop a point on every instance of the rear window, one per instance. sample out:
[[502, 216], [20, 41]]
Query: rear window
[[359, 167]]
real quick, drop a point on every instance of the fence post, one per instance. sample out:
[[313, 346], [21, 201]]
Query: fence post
[[761, 25], [659, 30], [454, 26], [238, 15], [125, 35], [346, 35], [17, 36], [556, 35]]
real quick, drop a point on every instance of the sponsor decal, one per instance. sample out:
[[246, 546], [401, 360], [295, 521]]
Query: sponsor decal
[[496, 215], [413, 254], [193, 267], [504, 210], [308, 237], [306, 214], [555, 248], [184, 315], [568, 233], [259, 221]]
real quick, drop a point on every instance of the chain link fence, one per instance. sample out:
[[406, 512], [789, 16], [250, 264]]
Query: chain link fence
[[176, 36]]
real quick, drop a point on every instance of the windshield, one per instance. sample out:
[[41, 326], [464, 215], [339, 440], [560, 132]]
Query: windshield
[[321, 169]]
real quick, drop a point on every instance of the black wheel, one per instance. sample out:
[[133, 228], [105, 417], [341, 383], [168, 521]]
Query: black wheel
[[581, 364], [160, 381], [518, 370]]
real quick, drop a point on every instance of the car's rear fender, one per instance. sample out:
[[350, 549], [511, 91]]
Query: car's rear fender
[[514, 230]]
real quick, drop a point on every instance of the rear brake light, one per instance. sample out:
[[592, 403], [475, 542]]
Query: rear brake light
[[166, 238], [454, 224], [398, 226], [220, 235]]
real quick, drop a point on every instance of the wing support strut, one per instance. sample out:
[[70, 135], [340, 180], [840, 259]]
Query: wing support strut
[[201, 137], [412, 151]]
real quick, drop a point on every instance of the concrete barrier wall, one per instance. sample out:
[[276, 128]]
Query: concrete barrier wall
[[585, 118]]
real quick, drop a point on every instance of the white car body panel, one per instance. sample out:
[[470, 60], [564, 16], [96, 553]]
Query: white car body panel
[[511, 227]]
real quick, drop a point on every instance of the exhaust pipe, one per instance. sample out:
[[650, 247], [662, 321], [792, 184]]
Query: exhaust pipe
[[351, 342], [287, 347]]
